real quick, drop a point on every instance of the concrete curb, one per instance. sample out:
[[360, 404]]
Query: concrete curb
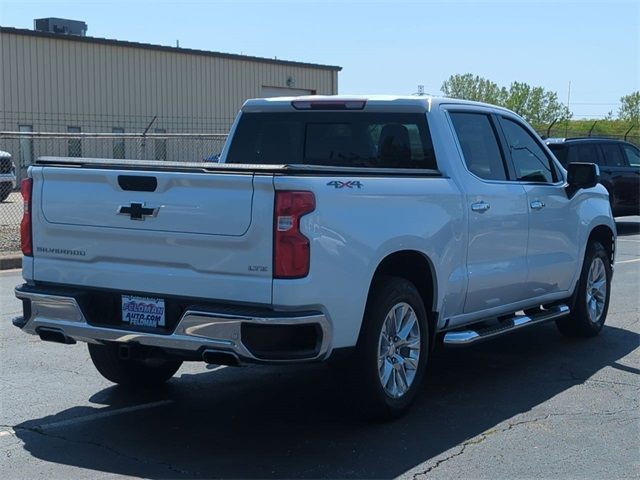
[[8, 262]]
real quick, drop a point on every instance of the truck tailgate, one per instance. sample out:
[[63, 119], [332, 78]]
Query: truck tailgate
[[200, 234], [196, 203]]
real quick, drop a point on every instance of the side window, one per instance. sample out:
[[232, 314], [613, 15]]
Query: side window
[[585, 153], [479, 145], [612, 155], [529, 159], [633, 155]]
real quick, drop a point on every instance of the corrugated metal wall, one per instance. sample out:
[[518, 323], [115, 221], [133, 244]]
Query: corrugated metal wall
[[55, 83]]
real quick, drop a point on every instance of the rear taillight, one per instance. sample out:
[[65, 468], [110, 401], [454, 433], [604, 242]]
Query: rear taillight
[[290, 246], [26, 243]]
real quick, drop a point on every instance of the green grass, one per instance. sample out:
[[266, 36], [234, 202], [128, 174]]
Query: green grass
[[580, 128]]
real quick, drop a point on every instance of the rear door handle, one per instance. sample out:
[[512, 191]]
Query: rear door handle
[[537, 205], [480, 207]]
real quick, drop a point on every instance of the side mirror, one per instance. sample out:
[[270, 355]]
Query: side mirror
[[581, 175]]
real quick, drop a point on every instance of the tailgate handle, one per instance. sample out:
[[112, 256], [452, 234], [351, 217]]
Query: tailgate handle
[[136, 183]]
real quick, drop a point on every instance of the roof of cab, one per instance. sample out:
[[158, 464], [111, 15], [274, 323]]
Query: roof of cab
[[426, 102]]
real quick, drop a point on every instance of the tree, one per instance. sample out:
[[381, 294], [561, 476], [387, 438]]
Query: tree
[[630, 107], [470, 87], [535, 104]]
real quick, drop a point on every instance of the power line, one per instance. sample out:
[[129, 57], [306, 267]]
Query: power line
[[595, 103]]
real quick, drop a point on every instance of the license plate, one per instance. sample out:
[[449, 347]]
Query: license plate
[[143, 311]]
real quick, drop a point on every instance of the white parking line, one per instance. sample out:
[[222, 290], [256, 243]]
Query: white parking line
[[215, 369], [102, 414], [89, 418], [628, 261], [628, 240]]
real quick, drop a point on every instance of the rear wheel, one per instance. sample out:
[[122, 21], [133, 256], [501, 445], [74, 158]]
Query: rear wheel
[[391, 355], [133, 373], [592, 295]]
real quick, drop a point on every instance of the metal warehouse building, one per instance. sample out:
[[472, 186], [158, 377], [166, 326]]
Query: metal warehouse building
[[52, 82]]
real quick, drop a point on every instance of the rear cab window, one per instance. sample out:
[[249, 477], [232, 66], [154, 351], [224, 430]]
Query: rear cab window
[[345, 139]]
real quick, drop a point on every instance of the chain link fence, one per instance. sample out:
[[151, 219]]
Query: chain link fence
[[635, 139], [25, 147], [561, 132]]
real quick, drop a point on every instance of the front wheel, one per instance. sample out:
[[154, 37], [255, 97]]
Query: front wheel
[[391, 355], [591, 297], [132, 373]]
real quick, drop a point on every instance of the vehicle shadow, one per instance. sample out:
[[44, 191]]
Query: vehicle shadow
[[267, 422], [627, 227]]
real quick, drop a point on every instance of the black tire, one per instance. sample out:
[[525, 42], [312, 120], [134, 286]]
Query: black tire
[[5, 190], [578, 323], [131, 373], [374, 401]]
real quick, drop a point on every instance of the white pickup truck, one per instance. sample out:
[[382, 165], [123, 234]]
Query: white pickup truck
[[365, 230]]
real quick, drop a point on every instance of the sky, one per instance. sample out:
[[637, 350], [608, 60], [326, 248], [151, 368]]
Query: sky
[[391, 47]]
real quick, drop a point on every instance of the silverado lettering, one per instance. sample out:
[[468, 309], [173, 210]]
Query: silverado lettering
[[61, 251]]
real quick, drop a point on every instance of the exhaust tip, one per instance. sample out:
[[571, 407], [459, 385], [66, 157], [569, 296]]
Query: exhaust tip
[[124, 352], [55, 336], [213, 357]]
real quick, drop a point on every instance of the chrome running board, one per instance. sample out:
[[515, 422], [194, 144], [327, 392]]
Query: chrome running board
[[467, 337]]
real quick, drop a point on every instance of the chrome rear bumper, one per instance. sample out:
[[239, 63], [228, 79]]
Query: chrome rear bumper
[[197, 330]]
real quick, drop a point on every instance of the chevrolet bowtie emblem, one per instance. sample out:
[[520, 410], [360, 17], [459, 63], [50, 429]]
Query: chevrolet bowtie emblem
[[137, 211]]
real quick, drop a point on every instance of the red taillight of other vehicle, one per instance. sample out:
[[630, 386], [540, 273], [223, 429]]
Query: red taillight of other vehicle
[[26, 242], [291, 249]]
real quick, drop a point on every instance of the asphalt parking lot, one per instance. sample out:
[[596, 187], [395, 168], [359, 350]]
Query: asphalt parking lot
[[533, 404]]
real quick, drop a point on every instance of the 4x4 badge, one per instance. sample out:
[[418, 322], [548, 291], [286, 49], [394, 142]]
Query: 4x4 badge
[[347, 184]]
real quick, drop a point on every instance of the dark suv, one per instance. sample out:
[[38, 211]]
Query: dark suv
[[7, 175], [619, 164]]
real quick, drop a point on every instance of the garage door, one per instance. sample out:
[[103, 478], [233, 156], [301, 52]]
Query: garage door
[[284, 92]]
